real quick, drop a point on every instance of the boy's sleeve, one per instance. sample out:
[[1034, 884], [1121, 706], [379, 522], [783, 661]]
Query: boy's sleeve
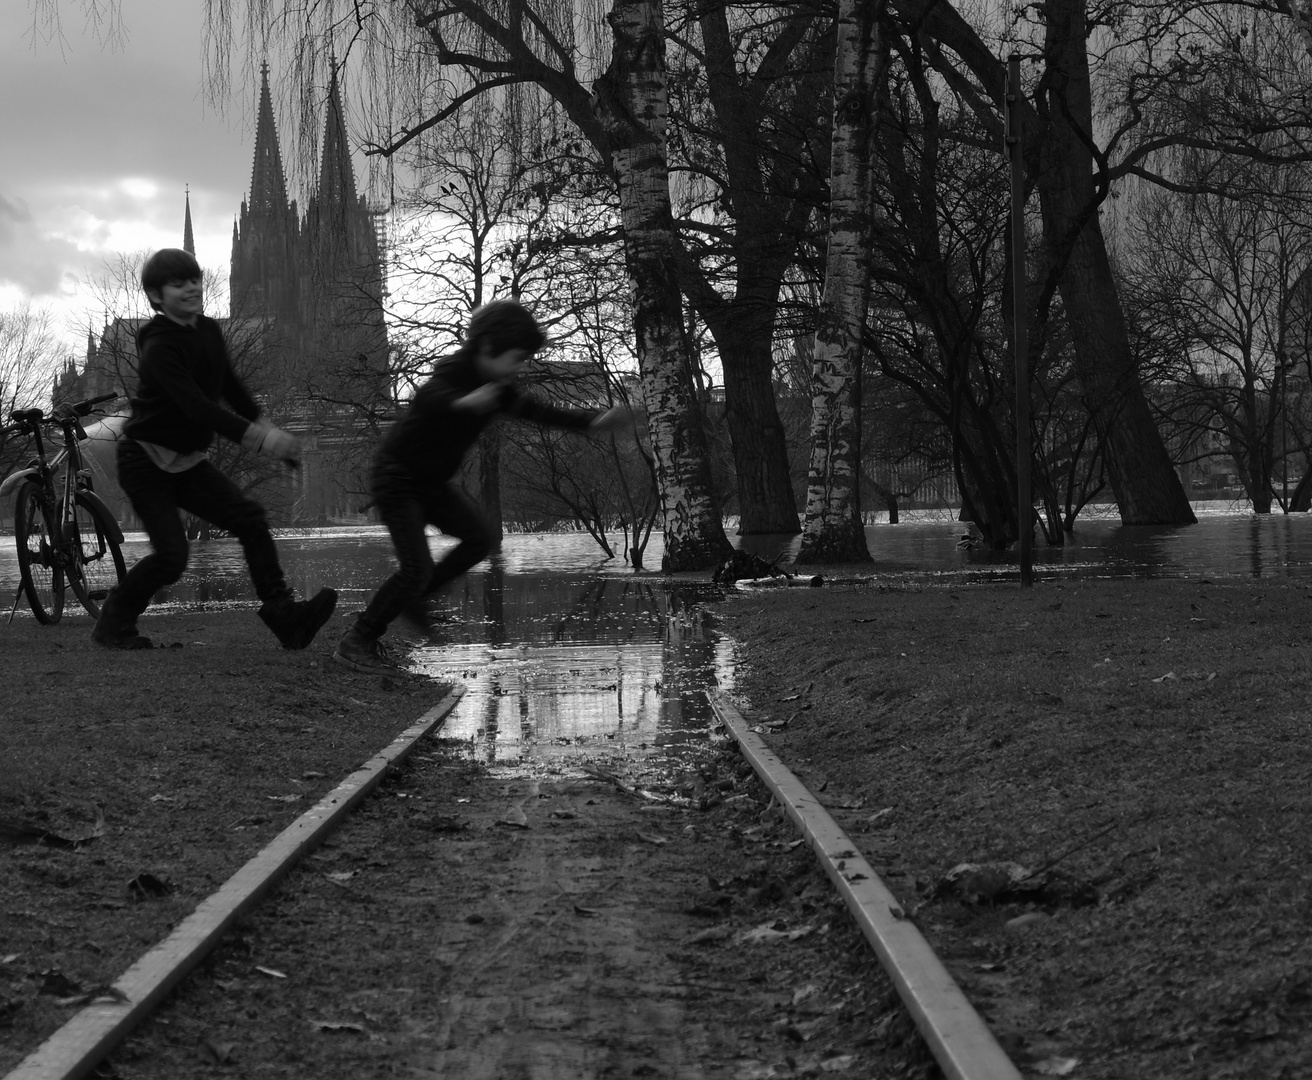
[[236, 395], [168, 371], [527, 407]]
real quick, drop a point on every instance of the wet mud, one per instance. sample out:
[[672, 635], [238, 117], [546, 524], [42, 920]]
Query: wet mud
[[582, 926]]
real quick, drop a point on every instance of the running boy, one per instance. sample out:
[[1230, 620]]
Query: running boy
[[163, 465], [412, 479]]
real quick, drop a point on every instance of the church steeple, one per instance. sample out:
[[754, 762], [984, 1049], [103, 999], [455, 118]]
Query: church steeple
[[268, 184], [264, 276], [188, 240], [336, 176]]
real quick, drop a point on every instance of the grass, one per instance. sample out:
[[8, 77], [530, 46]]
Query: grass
[[195, 756], [1148, 736]]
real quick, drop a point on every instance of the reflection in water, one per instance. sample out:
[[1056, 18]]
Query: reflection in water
[[558, 668]]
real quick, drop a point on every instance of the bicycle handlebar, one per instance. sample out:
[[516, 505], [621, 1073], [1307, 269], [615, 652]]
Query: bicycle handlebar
[[25, 418]]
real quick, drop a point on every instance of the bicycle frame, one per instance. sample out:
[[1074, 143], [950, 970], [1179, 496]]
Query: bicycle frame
[[76, 478], [62, 527]]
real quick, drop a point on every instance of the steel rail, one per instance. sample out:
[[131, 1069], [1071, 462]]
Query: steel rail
[[957, 1036], [82, 1043]]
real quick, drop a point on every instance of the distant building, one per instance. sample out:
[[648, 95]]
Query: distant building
[[305, 323]]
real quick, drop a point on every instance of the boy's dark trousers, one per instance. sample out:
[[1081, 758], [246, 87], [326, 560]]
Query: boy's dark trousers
[[406, 506], [204, 491]]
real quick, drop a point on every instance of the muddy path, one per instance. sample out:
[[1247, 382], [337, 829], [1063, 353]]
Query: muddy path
[[467, 925]]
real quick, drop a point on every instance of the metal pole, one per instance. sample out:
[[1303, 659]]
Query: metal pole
[[1020, 326]]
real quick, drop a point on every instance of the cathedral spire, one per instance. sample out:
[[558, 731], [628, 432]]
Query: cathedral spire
[[336, 176], [188, 240], [268, 183]]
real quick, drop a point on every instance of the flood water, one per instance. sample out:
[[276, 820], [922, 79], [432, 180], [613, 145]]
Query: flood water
[[567, 657]]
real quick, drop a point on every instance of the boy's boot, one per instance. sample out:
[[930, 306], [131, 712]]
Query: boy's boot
[[115, 631], [295, 622], [360, 652]]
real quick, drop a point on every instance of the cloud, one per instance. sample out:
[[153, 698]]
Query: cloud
[[12, 212], [30, 260]]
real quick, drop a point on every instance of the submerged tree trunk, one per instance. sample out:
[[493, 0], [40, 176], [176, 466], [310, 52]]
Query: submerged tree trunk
[[489, 483], [766, 503], [630, 99], [832, 530], [1143, 479]]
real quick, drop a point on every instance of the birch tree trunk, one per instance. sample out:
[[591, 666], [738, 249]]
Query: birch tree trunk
[[630, 99], [832, 530]]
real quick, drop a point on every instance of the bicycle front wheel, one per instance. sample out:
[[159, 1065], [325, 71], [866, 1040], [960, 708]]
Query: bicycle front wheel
[[36, 534], [95, 563]]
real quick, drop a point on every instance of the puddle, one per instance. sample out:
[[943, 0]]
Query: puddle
[[566, 660], [560, 671]]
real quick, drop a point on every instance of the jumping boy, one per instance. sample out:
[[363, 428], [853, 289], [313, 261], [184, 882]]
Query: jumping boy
[[163, 465], [413, 474]]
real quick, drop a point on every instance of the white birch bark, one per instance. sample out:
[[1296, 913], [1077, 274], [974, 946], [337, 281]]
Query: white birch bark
[[831, 529], [631, 100]]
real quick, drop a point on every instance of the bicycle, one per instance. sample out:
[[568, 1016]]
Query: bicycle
[[65, 535]]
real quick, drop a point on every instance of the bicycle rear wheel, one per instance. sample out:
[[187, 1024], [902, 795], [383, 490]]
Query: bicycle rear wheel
[[95, 563], [36, 535]]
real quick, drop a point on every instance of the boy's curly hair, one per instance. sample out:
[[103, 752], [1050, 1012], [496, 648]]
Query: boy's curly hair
[[166, 267], [502, 325]]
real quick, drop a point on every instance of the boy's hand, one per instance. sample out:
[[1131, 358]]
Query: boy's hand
[[267, 439], [616, 419]]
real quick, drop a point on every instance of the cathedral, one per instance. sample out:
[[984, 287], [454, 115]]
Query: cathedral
[[305, 327]]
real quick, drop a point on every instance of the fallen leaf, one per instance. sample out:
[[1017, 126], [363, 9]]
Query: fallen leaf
[[332, 1026], [586, 912], [710, 935], [804, 992], [767, 933], [55, 983], [273, 973], [840, 1063], [147, 886], [652, 839], [283, 798], [1056, 1066], [1168, 675], [219, 1052], [341, 877], [514, 818], [10, 958]]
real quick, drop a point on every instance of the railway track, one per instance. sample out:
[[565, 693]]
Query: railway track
[[536, 901]]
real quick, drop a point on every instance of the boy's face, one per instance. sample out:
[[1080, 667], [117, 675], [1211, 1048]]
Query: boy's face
[[501, 367], [181, 301]]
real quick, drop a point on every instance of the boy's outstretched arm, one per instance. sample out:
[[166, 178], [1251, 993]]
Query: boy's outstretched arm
[[616, 419]]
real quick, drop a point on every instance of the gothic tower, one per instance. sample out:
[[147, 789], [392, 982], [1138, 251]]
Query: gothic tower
[[263, 280], [307, 294], [343, 289]]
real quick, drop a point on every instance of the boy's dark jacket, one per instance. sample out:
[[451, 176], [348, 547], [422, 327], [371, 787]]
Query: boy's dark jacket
[[184, 371], [430, 438]]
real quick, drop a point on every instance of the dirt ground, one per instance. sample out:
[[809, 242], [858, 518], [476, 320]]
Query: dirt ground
[[458, 924], [1138, 749], [463, 926]]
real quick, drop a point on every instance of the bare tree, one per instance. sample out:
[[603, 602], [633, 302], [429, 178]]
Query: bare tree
[[30, 359]]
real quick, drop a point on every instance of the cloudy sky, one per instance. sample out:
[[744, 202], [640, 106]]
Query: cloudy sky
[[100, 140]]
